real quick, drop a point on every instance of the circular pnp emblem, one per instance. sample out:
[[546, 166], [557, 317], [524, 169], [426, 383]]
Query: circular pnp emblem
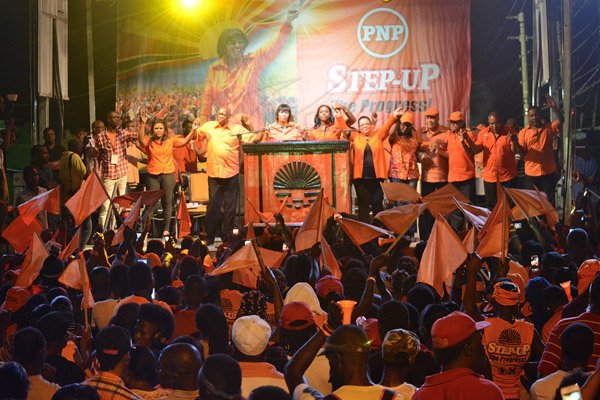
[[382, 32]]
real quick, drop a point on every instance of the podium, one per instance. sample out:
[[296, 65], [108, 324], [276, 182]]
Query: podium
[[294, 173]]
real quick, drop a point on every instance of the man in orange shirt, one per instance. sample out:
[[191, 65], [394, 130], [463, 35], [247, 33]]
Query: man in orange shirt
[[461, 150], [223, 168], [498, 144], [433, 156], [536, 143], [233, 79]]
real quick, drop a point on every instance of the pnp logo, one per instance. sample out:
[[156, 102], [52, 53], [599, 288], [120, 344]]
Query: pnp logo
[[382, 32]]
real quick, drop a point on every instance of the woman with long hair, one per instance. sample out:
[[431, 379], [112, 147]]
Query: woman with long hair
[[161, 167]]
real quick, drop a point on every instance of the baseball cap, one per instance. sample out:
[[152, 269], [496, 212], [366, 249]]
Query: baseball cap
[[407, 117], [456, 116], [16, 297], [296, 316], [453, 329], [328, 284], [250, 335], [432, 112], [400, 341]]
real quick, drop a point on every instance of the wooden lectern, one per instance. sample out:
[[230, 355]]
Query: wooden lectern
[[295, 172]]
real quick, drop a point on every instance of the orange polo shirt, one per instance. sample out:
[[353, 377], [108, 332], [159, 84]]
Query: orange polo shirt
[[375, 141], [499, 163], [222, 154], [160, 157], [434, 167], [460, 165], [537, 142]]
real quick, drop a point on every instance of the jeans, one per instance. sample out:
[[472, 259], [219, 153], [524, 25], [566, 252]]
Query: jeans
[[223, 194], [369, 196], [166, 182], [491, 194], [426, 219], [110, 184], [545, 184]]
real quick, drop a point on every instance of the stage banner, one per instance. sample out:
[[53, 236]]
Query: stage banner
[[369, 55]]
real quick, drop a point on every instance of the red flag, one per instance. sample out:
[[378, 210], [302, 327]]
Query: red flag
[[441, 201], [476, 215], [329, 260], [470, 241], [443, 254], [72, 246], [76, 277], [149, 199], [310, 231], [87, 199], [399, 219], [398, 191], [48, 201], [185, 222], [360, 232], [493, 238], [32, 265], [19, 234]]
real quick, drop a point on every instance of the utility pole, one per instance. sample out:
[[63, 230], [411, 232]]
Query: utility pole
[[524, 76]]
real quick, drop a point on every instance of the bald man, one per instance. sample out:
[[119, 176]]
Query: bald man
[[178, 368]]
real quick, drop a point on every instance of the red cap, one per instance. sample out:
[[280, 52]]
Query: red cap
[[456, 116], [453, 329], [16, 297], [432, 112], [328, 284], [296, 316]]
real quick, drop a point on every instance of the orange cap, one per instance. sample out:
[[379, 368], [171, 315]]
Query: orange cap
[[456, 116], [432, 112], [407, 117]]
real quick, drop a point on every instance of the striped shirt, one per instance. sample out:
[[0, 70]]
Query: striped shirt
[[111, 387], [552, 357]]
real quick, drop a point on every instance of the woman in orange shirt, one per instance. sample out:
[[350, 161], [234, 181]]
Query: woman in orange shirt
[[161, 167], [369, 164], [329, 126], [283, 129]]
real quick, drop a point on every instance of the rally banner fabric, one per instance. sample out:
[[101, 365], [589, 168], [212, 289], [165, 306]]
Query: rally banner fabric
[[369, 55]]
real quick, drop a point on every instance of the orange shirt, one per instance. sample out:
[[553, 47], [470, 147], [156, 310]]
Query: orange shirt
[[278, 133], [222, 155], [375, 141], [160, 157], [537, 143], [403, 162], [329, 132], [499, 163], [434, 166], [460, 165], [238, 88]]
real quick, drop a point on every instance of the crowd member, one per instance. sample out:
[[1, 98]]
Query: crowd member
[[111, 144], [283, 129], [405, 141], [536, 142], [233, 79], [499, 145], [330, 126], [31, 176], [178, 365], [160, 172], [223, 168], [461, 150], [369, 164], [433, 156]]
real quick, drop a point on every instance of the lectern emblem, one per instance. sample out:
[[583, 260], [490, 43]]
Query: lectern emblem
[[298, 180]]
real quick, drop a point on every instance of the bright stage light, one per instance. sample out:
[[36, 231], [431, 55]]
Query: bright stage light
[[189, 4]]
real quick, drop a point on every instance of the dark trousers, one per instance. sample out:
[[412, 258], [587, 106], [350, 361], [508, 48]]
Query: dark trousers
[[491, 192], [426, 219], [369, 196], [545, 183], [166, 182], [223, 193]]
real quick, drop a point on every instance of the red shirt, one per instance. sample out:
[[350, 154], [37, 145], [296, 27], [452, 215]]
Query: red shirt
[[458, 384], [499, 163]]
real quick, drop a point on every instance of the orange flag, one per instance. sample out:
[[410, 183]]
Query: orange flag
[[476, 215], [76, 277], [72, 246], [328, 259], [149, 198], [311, 230], [441, 202], [185, 222], [48, 201], [32, 265], [398, 191], [493, 238], [399, 219], [87, 199], [129, 221], [470, 241], [19, 234], [443, 254], [360, 232]]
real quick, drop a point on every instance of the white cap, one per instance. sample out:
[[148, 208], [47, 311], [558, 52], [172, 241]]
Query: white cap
[[250, 335]]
